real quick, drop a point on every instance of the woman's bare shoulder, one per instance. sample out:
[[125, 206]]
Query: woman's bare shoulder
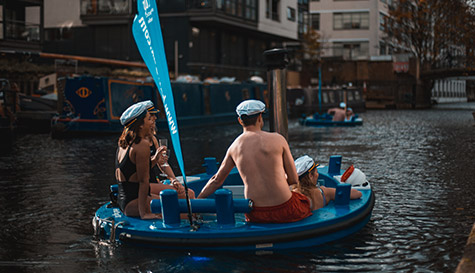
[[142, 146]]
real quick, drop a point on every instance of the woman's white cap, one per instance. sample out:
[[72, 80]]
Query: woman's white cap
[[304, 164], [131, 114], [250, 107]]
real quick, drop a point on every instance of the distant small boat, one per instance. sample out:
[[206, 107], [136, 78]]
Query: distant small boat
[[223, 226], [325, 120]]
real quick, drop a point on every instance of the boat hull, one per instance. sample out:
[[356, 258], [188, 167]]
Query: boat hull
[[327, 224], [326, 121]]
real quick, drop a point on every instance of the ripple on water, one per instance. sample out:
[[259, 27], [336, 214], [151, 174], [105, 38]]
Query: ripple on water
[[416, 161]]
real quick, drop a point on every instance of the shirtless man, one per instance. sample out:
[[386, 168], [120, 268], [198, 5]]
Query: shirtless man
[[339, 114], [266, 167]]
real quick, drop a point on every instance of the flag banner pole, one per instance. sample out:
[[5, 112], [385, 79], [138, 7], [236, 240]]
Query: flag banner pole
[[148, 37]]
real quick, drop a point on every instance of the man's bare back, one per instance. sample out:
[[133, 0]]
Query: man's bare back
[[338, 114], [264, 162], [259, 157], [266, 167]]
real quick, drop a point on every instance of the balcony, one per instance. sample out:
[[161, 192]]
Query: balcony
[[21, 25], [232, 12], [101, 12], [19, 30]]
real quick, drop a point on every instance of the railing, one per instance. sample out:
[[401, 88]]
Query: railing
[[243, 9], [21, 30], [104, 7]]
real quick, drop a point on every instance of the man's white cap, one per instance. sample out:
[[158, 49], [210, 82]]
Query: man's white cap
[[250, 107], [135, 111], [304, 164], [342, 105]]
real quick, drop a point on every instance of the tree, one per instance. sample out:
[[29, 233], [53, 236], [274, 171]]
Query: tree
[[311, 47], [431, 30], [311, 51]]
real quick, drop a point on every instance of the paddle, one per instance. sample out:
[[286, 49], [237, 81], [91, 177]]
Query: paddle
[[149, 40]]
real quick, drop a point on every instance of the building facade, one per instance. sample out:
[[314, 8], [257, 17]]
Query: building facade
[[351, 29], [208, 38]]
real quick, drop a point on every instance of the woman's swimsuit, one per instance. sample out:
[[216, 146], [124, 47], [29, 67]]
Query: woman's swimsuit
[[128, 191], [323, 195]]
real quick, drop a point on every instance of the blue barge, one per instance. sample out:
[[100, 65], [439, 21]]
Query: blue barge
[[222, 225], [94, 104]]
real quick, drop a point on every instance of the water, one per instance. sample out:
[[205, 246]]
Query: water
[[420, 163]]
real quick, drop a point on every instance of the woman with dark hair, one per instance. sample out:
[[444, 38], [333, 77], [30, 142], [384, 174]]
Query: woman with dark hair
[[134, 161]]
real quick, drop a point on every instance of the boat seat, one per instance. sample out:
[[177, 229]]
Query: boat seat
[[224, 205]]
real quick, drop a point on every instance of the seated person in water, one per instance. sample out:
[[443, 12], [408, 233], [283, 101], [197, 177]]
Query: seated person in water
[[266, 166], [133, 161], [338, 114], [349, 114], [308, 175]]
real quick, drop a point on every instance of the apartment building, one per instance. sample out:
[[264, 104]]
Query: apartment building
[[201, 37], [351, 29]]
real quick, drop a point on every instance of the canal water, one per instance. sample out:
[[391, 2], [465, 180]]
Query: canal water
[[421, 165]]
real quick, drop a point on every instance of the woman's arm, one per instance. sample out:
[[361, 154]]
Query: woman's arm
[[142, 163], [218, 179]]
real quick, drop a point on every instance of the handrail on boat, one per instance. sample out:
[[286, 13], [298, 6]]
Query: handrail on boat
[[223, 205]]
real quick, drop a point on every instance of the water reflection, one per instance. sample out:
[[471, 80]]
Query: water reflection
[[419, 163]]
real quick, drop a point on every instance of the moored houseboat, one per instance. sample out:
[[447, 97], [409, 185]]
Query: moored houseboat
[[94, 104]]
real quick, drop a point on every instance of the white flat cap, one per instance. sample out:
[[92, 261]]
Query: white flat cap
[[135, 111], [342, 105], [304, 164], [250, 107]]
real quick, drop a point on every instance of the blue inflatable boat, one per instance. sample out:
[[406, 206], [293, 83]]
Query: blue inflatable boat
[[222, 224], [325, 120]]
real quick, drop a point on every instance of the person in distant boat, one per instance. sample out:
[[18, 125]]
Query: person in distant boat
[[266, 166], [349, 114], [338, 113], [319, 196], [133, 161]]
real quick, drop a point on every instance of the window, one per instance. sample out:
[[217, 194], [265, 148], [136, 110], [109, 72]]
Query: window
[[351, 50], [1, 22], [382, 48], [239, 8], [251, 10], [291, 14], [272, 9], [351, 20], [93, 7], [316, 21], [302, 19], [382, 18]]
